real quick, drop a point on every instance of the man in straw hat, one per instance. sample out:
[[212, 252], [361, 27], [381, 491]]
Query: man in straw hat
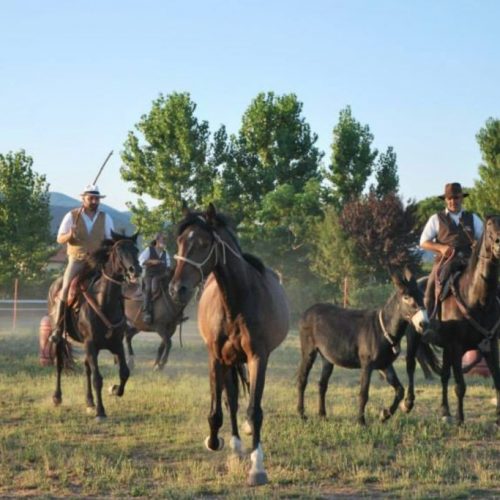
[[83, 229], [451, 235]]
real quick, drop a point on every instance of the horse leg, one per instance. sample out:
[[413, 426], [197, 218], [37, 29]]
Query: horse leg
[[412, 343], [392, 379], [366, 373], [57, 396], [213, 442], [91, 359], [308, 358], [129, 335], [118, 390], [445, 377], [492, 362], [459, 383], [326, 373], [163, 351], [89, 395], [232, 390], [257, 369]]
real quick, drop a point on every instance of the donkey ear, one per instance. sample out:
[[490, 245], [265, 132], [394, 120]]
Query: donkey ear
[[116, 236], [408, 274], [397, 281], [185, 209], [211, 213], [134, 237]]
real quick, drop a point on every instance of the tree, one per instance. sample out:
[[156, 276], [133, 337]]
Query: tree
[[485, 196], [24, 219], [171, 165], [351, 160], [386, 173], [383, 231], [274, 147]]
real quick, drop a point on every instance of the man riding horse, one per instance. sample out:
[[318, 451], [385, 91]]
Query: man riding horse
[[156, 262], [451, 235], [83, 230]]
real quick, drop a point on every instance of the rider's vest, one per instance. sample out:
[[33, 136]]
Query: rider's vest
[[156, 269], [86, 243], [459, 236]]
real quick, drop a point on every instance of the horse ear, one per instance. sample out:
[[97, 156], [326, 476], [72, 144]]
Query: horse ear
[[115, 236], [210, 213], [185, 209], [134, 237]]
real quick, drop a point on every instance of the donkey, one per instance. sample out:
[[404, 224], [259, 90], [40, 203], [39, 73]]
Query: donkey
[[360, 339]]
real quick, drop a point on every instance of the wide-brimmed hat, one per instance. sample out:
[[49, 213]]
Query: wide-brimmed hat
[[452, 189], [92, 190]]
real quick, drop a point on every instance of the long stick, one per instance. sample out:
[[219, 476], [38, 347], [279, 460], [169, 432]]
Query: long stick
[[95, 181]]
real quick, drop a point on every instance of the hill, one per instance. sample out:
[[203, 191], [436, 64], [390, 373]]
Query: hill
[[60, 204]]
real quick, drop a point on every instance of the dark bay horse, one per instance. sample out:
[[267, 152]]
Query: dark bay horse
[[98, 320], [167, 314], [243, 316], [360, 339], [470, 318]]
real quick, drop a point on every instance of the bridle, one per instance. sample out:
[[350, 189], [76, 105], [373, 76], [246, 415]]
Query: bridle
[[218, 247], [124, 271]]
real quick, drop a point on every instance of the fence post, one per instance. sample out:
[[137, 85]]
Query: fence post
[[346, 291], [14, 308]]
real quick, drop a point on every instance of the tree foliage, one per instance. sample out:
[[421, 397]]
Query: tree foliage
[[352, 158], [168, 160], [383, 231], [485, 196], [386, 173], [24, 219]]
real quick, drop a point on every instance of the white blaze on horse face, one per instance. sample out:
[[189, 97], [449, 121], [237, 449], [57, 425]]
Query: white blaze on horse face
[[420, 320], [257, 459]]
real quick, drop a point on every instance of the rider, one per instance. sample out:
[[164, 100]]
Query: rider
[[156, 261], [83, 230], [451, 235]]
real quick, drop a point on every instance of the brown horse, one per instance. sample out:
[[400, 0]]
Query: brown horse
[[243, 316], [470, 318], [167, 315], [98, 320]]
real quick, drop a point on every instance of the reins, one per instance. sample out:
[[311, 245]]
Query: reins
[[394, 345]]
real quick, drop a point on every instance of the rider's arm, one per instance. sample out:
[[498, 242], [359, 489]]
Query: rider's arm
[[66, 230], [429, 234]]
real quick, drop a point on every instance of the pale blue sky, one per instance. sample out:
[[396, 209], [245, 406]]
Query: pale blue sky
[[76, 76]]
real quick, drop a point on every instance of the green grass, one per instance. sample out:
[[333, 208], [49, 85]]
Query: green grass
[[152, 442]]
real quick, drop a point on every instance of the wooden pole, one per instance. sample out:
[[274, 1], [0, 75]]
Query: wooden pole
[[346, 292], [14, 307]]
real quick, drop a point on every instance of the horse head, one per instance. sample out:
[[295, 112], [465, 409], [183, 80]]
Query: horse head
[[123, 257], [198, 251], [411, 300], [491, 241]]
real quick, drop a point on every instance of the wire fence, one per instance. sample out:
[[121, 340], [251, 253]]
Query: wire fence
[[16, 312]]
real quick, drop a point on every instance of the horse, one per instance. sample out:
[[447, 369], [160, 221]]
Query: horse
[[243, 315], [365, 339], [470, 318], [167, 314], [97, 318]]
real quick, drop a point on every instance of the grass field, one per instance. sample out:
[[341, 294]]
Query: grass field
[[152, 442]]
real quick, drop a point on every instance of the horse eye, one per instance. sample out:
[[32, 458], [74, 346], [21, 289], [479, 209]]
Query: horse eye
[[407, 298]]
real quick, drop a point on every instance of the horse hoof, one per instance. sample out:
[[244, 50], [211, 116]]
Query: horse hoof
[[235, 445], [405, 406], [257, 478], [100, 418], [56, 400], [114, 390], [219, 446], [247, 428], [385, 414], [156, 368], [90, 410], [446, 419]]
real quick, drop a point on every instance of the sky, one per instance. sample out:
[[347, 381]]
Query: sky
[[76, 77]]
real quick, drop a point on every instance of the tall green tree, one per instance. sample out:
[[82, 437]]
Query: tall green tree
[[485, 195], [386, 173], [24, 219], [274, 147], [168, 160], [352, 158]]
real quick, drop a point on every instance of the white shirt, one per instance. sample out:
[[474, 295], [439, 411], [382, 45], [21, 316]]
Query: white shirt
[[67, 223], [145, 256], [431, 229]]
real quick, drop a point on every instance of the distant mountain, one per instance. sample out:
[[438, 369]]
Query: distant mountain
[[61, 204]]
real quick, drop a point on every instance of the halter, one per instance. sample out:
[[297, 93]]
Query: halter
[[394, 346], [216, 242]]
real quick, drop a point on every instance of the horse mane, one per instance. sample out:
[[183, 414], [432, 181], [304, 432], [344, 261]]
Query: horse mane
[[255, 262], [472, 263]]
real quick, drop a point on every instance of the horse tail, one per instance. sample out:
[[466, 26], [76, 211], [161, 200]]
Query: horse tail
[[69, 363], [426, 356], [241, 372]]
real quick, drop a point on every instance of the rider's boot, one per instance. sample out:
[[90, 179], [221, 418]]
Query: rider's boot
[[56, 335], [147, 317]]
